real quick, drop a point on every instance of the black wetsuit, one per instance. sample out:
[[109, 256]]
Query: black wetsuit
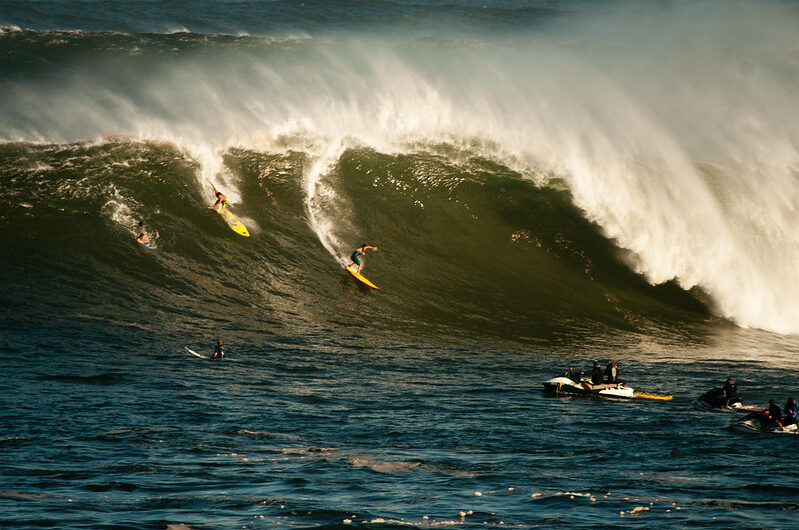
[[768, 418], [596, 375], [577, 377], [775, 412], [219, 352], [791, 413]]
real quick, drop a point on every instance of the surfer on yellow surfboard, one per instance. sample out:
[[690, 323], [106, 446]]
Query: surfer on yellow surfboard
[[357, 264], [357, 253], [221, 208], [221, 199]]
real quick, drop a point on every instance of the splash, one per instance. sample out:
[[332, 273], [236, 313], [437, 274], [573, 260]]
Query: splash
[[674, 134]]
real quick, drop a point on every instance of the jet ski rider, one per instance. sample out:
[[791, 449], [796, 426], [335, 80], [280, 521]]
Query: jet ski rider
[[791, 412], [597, 374], [612, 373], [729, 392]]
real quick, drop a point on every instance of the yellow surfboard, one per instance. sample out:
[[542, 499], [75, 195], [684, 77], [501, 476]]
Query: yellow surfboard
[[233, 222], [352, 268], [646, 395]]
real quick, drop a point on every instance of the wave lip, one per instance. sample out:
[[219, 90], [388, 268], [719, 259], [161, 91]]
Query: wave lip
[[467, 246], [577, 107]]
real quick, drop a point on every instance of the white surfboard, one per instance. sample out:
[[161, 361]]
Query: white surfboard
[[210, 357], [196, 354]]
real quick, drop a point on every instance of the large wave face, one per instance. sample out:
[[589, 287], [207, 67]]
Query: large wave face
[[543, 176], [467, 249]]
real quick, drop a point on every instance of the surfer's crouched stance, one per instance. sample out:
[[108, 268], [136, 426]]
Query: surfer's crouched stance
[[357, 253], [221, 199]]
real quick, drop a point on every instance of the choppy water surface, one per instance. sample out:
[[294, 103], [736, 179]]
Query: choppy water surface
[[301, 434], [548, 182]]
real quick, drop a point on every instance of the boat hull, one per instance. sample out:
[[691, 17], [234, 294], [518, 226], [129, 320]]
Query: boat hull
[[751, 425]]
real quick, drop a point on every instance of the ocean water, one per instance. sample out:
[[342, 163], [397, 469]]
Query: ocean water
[[548, 183]]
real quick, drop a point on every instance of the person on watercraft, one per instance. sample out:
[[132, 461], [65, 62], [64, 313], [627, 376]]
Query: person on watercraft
[[772, 416], [774, 410], [357, 253], [730, 392], [575, 376], [765, 419], [221, 199], [219, 351], [722, 397], [791, 413], [597, 374], [612, 373]]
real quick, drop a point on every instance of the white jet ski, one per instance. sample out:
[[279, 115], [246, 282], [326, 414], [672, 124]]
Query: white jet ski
[[563, 385]]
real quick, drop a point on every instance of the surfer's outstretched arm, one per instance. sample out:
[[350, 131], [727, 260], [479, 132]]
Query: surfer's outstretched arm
[[212, 185], [221, 198]]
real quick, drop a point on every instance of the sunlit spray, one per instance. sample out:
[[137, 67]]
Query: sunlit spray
[[674, 134]]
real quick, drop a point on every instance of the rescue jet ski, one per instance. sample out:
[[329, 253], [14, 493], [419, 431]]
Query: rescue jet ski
[[709, 402], [563, 385], [751, 424]]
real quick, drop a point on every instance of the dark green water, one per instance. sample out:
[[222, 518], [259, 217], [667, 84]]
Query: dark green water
[[540, 198]]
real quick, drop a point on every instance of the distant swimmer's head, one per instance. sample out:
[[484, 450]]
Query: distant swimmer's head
[[219, 341], [730, 380], [141, 235], [218, 193], [596, 363]]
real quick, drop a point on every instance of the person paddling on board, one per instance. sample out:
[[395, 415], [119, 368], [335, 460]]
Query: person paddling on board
[[219, 351], [142, 238], [221, 199], [357, 253]]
